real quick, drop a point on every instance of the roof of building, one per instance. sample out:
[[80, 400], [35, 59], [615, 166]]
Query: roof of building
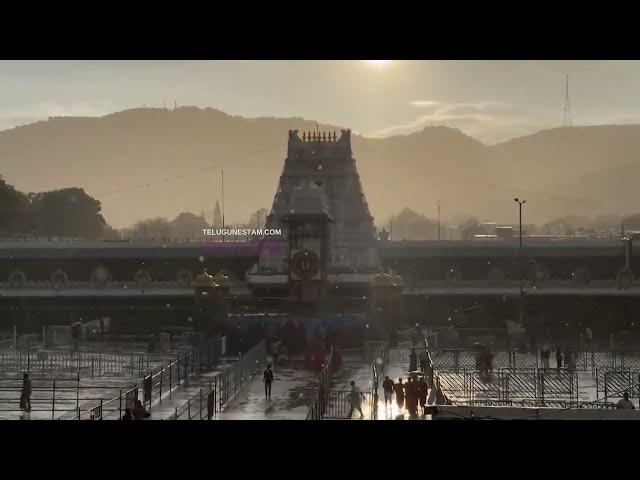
[[548, 248], [130, 251]]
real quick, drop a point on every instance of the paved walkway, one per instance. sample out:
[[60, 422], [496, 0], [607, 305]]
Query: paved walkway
[[292, 391], [354, 369]]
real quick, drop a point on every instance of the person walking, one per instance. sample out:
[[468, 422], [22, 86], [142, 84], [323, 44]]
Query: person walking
[[411, 390], [127, 414], [25, 394], [355, 400], [268, 380], [569, 360], [545, 354], [275, 353], [413, 361], [423, 393], [424, 360], [588, 338], [429, 375], [76, 331], [387, 387], [558, 358], [399, 389]]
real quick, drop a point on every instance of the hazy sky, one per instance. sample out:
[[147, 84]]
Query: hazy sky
[[490, 100]]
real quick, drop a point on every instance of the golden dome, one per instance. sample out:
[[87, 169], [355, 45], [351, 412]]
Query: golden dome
[[204, 280], [221, 280], [387, 280]]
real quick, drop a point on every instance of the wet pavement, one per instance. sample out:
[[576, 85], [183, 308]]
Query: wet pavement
[[354, 369], [293, 390]]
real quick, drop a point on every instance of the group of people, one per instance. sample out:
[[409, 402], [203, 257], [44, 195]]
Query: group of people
[[567, 358], [410, 394]]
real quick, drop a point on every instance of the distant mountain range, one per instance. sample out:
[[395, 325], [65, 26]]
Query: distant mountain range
[[148, 162]]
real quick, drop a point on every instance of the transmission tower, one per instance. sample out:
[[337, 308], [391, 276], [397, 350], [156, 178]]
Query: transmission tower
[[566, 119]]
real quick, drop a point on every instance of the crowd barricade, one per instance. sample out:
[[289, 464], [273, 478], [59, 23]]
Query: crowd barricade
[[223, 386], [318, 406], [538, 386]]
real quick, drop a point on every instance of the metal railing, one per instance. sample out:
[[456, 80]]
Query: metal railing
[[581, 361], [65, 397], [318, 406], [341, 404], [154, 385], [538, 386], [221, 389], [25, 342], [84, 364], [167, 378], [508, 283], [464, 358], [564, 404], [112, 408], [610, 381], [611, 360]]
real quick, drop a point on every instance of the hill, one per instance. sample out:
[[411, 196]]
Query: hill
[[144, 163]]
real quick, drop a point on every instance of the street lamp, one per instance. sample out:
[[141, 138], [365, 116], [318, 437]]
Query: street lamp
[[522, 290], [520, 203]]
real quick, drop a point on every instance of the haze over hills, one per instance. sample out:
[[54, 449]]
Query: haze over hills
[[145, 163]]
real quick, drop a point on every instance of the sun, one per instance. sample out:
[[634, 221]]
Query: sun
[[378, 63]]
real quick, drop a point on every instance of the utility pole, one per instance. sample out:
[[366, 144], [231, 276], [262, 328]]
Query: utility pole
[[222, 172], [522, 291], [566, 119]]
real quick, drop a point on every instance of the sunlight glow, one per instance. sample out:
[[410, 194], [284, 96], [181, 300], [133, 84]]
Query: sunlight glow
[[378, 63]]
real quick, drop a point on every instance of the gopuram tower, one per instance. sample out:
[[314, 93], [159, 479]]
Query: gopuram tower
[[328, 244]]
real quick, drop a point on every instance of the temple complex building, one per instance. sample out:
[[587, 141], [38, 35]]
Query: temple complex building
[[324, 217]]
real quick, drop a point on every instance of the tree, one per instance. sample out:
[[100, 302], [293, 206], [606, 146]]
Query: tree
[[68, 212], [569, 225], [151, 229], [409, 225], [188, 225], [13, 205], [470, 228]]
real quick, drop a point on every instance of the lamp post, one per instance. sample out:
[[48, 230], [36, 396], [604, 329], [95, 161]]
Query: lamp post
[[222, 180], [520, 203], [522, 290]]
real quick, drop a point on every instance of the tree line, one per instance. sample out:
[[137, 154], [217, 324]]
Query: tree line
[[410, 225], [67, 212]]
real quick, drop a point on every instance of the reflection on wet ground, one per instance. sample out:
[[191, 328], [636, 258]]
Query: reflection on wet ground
[[292, 391]]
